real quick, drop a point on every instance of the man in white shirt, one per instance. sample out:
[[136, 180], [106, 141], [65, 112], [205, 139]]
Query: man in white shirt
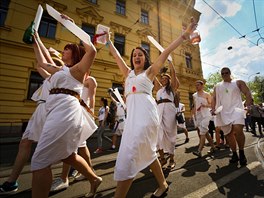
[[231, 119]]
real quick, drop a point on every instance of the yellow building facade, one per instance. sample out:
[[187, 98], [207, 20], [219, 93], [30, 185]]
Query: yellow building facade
[[130, 22]]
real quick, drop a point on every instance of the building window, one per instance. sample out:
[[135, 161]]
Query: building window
[[35, 82], [144, 17], [119, 43], [93, 1], [121, 7], [89, 29], [188, 60], [3, 11], [146, 47], [47, 27]]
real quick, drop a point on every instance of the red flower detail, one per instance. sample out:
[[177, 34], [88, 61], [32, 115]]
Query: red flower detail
[[134, 89]]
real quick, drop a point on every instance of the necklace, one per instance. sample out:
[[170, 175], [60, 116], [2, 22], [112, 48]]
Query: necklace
[[226, 86]]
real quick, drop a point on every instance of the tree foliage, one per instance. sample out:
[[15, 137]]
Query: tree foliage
[[257, 89], [211, 81], [256, 86]]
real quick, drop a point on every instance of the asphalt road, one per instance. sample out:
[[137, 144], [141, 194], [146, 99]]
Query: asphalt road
[[209, 176]]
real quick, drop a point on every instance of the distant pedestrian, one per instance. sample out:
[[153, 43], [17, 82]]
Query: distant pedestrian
[[202, 104], [167, 132], [181, 110], [102, 118], [255, 113], [120, 118]]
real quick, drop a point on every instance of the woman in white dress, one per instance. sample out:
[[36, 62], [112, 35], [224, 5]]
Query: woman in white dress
[[138, 145], [36, 122], [67, 125], [167, 111], [88, 96]]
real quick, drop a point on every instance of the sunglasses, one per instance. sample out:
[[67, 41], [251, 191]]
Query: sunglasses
[[223, 73]]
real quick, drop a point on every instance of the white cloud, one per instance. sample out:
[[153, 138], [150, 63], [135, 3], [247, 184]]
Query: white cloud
[[243, 59], [209, 19]]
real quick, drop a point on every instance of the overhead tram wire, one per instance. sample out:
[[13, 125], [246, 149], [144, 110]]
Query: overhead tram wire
[[242, 36], [254, 8]]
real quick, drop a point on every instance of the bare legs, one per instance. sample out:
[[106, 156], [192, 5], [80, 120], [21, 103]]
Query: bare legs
[[85, 154], [22, 158], [202, 141], [41, 183], [217, 136], [42, 178], [114, 139], [123, 186], [236, 136], [157, 171], [163, 161]]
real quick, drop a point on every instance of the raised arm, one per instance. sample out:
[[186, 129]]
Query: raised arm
[[41, 59], [119, 60], [43, 49], [174, 80], [79, 70], [91, 84], [157, 84], [156, 66], [42, 72]]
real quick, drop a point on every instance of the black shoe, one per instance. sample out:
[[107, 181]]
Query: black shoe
[[8, 187], [162, 195], [197, 153], [234, 159], [243, 161], [242, 158]]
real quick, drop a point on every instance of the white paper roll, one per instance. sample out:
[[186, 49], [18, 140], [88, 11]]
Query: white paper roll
[[38, 17]]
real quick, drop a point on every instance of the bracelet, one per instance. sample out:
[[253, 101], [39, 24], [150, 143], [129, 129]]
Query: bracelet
[[107, 43]]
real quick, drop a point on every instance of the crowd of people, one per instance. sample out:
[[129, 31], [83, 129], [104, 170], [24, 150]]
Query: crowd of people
[[254, 114], [64, 118]]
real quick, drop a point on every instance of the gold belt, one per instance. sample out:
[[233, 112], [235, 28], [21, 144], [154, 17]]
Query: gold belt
[[139, 92]]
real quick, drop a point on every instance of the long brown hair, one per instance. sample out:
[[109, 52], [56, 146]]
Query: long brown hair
[[147, 59]]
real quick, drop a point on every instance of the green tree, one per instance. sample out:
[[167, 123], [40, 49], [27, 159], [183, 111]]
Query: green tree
[[211, 81], [257, 89]]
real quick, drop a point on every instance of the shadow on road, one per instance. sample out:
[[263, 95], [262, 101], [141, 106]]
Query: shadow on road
[[247, 185], [195, 165]]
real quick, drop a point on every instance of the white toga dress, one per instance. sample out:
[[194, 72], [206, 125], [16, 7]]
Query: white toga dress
[[202, 114], [229, 96], [37, 120], [167, 132], [67, 124], [139, 140]]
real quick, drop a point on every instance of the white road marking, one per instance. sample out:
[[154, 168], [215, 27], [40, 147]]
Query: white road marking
[[258, 151], [221, 182]]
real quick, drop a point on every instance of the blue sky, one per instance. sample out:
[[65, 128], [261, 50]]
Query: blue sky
[[245, 58]]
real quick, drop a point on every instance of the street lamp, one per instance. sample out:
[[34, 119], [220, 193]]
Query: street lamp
[[252, 75]]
